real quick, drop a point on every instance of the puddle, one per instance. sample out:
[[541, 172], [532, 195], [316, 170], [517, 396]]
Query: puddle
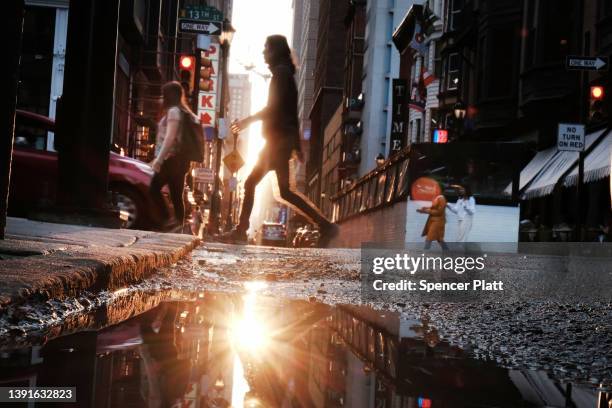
[[213, 349]]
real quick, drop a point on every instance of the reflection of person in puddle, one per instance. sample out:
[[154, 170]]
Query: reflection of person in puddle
[[436, 222], [167, 375]]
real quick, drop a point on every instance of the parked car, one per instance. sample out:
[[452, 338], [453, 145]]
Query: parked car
[[34, 176], [274, 234], [306, 237]]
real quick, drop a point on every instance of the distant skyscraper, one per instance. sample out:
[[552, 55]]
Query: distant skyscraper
[[239, 108]]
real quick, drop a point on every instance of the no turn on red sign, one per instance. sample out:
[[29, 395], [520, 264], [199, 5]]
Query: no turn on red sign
[[570, 137]]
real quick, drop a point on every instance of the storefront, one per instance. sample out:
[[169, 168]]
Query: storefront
[[549, 198]]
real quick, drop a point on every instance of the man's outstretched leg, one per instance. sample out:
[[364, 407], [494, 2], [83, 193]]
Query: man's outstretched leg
[[328, 229]]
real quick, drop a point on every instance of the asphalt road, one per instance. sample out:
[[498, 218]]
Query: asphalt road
[[566, 336]]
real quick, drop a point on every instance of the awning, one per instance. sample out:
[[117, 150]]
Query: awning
[[556, 166], [596, 163], [533, 168]]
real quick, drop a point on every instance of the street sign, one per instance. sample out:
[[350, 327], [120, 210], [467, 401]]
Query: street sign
[[199, 27], [233, 183], [207, 117], [201, 12], [203, 175], [570, 137], [233, 161], [587, 63], [208, 102]]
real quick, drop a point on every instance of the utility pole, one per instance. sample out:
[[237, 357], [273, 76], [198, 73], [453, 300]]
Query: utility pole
[[215, 203], [13, 23]]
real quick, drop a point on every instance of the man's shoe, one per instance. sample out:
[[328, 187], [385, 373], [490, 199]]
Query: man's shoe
[[233, 237], [328, 232]]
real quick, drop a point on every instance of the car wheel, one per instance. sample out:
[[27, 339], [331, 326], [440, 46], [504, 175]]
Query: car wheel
[[130, 206]]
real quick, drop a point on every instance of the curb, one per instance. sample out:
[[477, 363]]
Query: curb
[[71, 270]]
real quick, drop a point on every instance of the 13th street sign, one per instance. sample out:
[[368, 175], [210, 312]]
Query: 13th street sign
[[587, 63], [199, 27]]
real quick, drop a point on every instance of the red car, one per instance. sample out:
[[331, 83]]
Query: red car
[[34, 176]]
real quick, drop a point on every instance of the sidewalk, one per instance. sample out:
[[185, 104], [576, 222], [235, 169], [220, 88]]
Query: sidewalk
[[43, 261]]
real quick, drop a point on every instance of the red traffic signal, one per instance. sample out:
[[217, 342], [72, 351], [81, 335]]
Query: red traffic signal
[[597, 93], [187, 62], [187, 71]]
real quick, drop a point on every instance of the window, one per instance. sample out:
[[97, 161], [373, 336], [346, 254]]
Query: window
[[30, 134], [453, 65], [36, 59], [455, 8], [417, 130]]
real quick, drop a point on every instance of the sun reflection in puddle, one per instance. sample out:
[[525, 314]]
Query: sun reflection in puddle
[[249, 333], [249, 330]]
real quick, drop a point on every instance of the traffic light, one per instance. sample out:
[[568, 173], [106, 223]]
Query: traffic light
[[187, 70], [207, 71], [597, 96]]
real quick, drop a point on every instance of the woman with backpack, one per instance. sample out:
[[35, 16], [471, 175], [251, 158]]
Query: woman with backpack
[[170, 164]]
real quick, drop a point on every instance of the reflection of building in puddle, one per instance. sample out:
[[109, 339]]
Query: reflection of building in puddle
[[368, 358], [249, 351]]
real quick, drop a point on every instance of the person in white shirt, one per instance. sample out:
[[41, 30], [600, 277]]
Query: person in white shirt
[[464, 208]]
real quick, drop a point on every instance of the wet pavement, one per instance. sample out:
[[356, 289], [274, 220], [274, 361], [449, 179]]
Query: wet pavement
[[218, 349], [469, 354]]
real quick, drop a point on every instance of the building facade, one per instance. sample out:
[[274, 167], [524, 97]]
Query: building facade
[[239, 107], [328, 87], [304, 44]]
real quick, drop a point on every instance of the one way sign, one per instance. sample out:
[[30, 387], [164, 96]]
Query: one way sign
[[199, 27], [587, 63]]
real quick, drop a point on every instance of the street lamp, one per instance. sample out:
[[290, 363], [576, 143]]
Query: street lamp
[[380, 160], [459, 110], [227, 35]]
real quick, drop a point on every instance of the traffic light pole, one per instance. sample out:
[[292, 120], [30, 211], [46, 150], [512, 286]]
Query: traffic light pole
[[196, 81], [215, 202]]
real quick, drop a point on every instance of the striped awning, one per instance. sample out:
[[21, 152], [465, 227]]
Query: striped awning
[[543, 183], [596, 163], [532, 168]]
